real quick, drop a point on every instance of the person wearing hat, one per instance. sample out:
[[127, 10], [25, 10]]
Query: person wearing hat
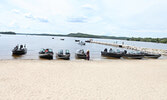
[[87, 55]]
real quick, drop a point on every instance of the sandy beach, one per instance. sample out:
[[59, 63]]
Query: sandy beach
[[83, 80]]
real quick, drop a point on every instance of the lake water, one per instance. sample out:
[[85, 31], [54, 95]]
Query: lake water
[[35, 43]]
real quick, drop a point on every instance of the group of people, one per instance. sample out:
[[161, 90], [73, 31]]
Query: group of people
[[105, 50], [21, 47]]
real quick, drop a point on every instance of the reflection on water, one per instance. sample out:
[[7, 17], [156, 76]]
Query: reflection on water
[[17, 56], [35, 43]]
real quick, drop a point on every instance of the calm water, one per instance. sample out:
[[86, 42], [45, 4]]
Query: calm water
[[35, 43]]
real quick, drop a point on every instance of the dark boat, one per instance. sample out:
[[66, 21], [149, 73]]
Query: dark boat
[[19, 50], [154, 56], [133, 56], [111, 53], [46, 53], [137, 55], [61, 39], [77, 40], [80, 54], [61, 55], [88, 41]]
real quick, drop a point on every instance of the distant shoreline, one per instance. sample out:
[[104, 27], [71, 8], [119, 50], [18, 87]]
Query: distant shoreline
[[83, 35]]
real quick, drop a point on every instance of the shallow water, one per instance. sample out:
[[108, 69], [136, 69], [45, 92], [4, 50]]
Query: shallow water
[[35, 43]]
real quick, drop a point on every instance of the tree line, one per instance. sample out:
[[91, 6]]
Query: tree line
[[83, 35], [8, 33], [157, 40]]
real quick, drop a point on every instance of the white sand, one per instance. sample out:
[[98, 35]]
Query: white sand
[[83, 80]]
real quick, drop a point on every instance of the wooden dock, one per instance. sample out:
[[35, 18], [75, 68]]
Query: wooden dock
[[148, 50]]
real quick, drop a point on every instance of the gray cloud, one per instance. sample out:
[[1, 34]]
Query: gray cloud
[[77, 20], [30, 16], [44, 20], [40, 19], [88, 7]]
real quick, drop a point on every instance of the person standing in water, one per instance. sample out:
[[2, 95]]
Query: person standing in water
[[87, 55]]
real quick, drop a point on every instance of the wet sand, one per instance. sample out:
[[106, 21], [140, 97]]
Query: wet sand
[[83, 80]]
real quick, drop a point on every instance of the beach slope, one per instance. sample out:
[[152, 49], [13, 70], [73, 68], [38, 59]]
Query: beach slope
[[83, 80]]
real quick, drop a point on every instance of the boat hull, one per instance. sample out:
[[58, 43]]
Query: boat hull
[[133, 56], [153, 56], [46, 56], [80, 56], [19, 52], [62, 56], [77, 40], [88, 41], [114, 55]]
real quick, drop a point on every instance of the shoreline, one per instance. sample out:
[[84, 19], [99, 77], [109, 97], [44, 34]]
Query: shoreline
[[73, 60], [83, 80]]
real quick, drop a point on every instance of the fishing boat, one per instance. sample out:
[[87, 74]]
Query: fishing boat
[[112, 53], [150, 55], [80, 54], [61, 55], [82, 43], [88, 41], [46, 53], [77, 40], [62, 39], [19, 50], [133, 55]]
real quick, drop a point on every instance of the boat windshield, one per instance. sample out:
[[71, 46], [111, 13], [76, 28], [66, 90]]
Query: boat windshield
[[42, 50], [132, 52], [112, 51], [50, 50], [67, 51], [82, 51], [138, 52], [61, 52], [118, 51]]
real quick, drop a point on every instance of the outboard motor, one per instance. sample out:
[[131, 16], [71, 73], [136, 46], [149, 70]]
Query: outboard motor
[[125, 51]]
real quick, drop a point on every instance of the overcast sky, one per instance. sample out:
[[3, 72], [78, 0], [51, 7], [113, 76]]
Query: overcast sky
[[138, 18]]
